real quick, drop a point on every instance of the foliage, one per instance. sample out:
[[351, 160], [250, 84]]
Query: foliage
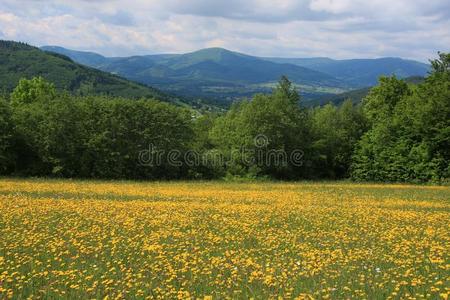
[[409, 138], [400, 133], [336, 131], [120, 130], [36, 89], [20, 60], [6, 137], [95, 137], [256, 129]]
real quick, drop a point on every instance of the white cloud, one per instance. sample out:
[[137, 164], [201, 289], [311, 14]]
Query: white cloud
[[336, 28]]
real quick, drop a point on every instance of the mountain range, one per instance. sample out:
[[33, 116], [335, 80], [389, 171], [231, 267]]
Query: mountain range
[[360, 72], [214, 74], [223, 75]]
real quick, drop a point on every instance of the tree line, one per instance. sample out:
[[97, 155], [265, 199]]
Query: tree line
[[399, 133]]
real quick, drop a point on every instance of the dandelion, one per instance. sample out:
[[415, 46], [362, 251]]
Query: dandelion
[[124, 240]]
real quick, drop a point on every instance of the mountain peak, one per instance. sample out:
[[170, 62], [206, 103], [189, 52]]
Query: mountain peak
[[213, 50], [214, 53]]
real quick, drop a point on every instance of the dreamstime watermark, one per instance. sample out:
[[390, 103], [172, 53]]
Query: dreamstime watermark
[[260, 154]]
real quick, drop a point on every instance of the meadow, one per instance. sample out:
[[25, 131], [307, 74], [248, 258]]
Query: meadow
[[218, 240]]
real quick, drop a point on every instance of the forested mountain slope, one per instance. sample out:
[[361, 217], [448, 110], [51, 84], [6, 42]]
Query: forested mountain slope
[[19, 60]]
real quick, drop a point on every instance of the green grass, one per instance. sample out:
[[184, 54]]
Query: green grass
[[123, 239]]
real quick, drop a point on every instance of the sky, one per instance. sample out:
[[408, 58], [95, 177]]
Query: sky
[[414, 29]]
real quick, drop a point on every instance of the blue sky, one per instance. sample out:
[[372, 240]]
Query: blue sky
[[414, 29]]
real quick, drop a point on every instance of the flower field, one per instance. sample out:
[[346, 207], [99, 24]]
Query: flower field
[[216, 240]]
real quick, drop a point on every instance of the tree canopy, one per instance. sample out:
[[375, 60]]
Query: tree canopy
[[400, 132]]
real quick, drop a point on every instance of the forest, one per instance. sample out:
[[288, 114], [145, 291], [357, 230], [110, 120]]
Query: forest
[[400, 132]]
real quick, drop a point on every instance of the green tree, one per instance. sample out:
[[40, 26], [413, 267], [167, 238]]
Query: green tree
[[119, 131], [286, 90], [96, 137], [441, 65], [31, 90], [204, 159], [6, 138], [252, 132], [49, 136], [410, 130], [425, 124], [379, 104], [376, 157], [336, 131]]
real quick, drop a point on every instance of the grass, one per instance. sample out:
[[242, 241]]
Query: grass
[[96, 239]]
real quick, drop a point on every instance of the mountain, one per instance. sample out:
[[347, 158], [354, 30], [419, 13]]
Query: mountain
[[360, 72], [19, 60], [82, 57], [224, 75], [213, 73], [220, 65], [212, 65]]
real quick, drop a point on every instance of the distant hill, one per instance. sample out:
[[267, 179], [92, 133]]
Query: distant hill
[[222, 76], [85, 58], [213, 73], [19, 60], [220, 65], [212, 65], [360, 72]]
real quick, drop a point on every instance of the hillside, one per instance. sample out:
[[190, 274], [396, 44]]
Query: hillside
[[18, 60], [213, 73], [82, 57], [211, 65], [223, 76], [216, 64], [360, 72], [356, 96]]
